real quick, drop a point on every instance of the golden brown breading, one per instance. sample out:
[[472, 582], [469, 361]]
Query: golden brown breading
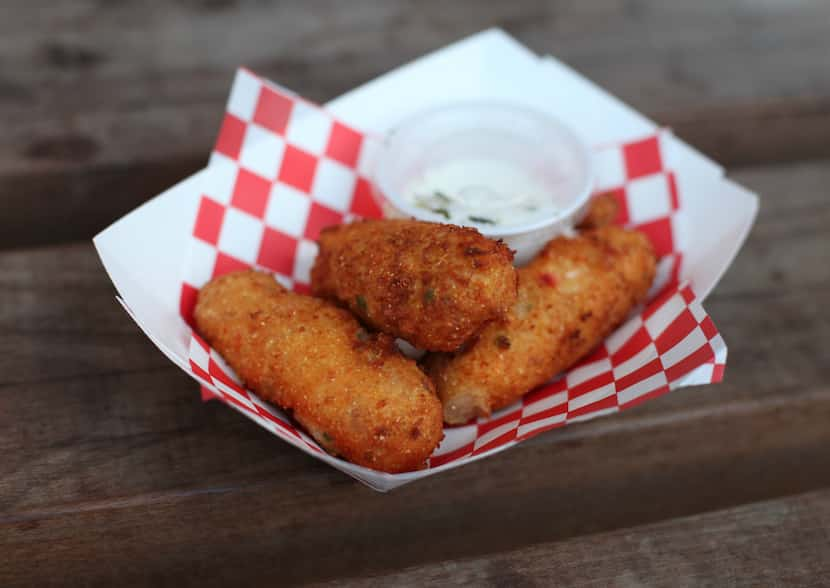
[[571, 296], [433, 285], [354, 392], [602, 210]]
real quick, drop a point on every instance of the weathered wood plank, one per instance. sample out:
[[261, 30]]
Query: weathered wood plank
[[784, 542], [104, 105], [120, 447], [303, 523]]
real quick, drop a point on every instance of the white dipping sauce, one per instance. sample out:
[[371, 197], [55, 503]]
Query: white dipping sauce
[[480, 192]]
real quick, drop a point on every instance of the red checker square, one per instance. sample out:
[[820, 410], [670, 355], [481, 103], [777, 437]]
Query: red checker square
[[590, 385], [198, 371], [273, 110], [660, 233], [219, 374], [507, 437], [250, 193], [541, 430], [543, 392], [708, 327], [651, 368], [297, 168], [687, 294], [226, 264], [320, 217], [444, 458], [207, 394], [231, 135], [648, 396], [344, 144], [209, 220], [491, 424], [673, 191], [659, 299], [545, 414], [607, 402], [277, 251], [678, 330], [702, 355], [636, 343], [301, 288], [642, 157], [187, 302], [285, 427], [717, 373], [363, 203]]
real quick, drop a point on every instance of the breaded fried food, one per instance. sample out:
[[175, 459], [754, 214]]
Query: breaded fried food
[[602, 210], [433, 285], [571, 296], [353, 392]]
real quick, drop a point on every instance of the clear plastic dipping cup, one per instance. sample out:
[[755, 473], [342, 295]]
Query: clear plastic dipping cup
[[534, 143]]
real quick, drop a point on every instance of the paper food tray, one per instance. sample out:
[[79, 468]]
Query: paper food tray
[[283, 168]]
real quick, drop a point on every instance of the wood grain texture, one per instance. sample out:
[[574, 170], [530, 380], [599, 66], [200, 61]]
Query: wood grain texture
[[107, 444], [104, 104], [735, 547]]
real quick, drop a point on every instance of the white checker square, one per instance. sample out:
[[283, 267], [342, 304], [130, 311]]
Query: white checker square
[[303, 260], [593, 414], [688, 345], [287, 209], [648, 198], [241, 235], [284, 281], [584, 373], [199, 268], [621, 336], [220, 177], [199, 355], [263, 151], [609, 168], [454, 438], [220, 361], [244, 95], [702, 374], [545, 403], [663, 316], [645, 355], [650, 384], [309, 128], [697, 310], [368, 155], [228, 391], [591, 397], [493, 434], [662, 276], [719, 346], [541, 424], [333, 184]]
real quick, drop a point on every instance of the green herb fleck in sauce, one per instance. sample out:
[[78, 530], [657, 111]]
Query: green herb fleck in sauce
[[429, 295], [482, 220], [361, 303]]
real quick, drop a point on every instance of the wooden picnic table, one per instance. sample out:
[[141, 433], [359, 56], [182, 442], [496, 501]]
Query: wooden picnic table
[[113, 472]]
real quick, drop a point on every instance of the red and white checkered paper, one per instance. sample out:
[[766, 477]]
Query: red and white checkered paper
[[283, 168]]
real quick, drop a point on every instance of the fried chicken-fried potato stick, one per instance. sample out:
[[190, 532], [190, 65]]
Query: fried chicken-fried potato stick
[[571, 296], [353, 392], [433, 285]]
